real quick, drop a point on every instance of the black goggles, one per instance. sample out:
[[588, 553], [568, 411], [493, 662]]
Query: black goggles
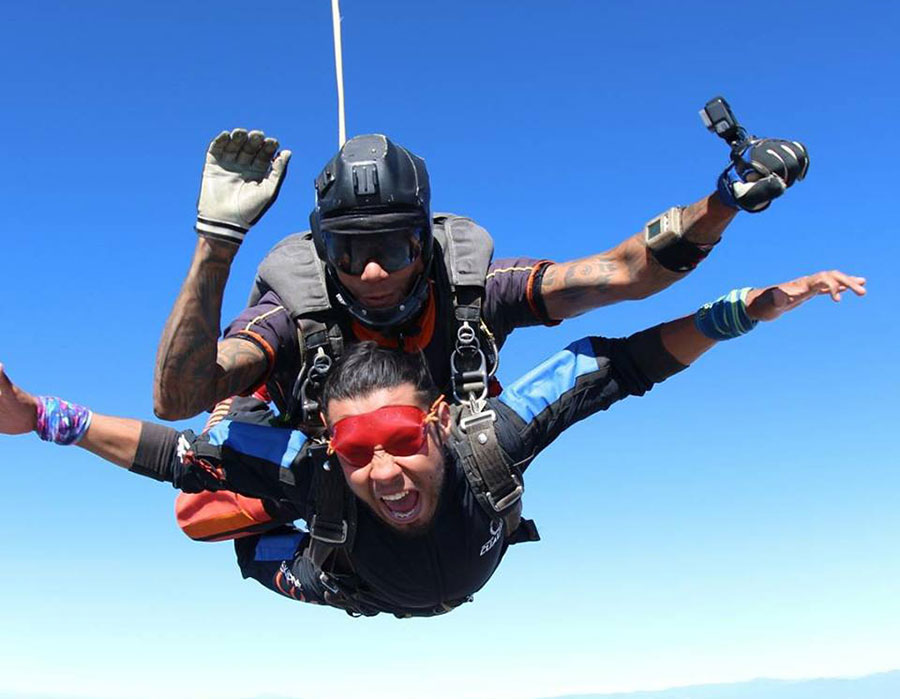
[[392, 250]]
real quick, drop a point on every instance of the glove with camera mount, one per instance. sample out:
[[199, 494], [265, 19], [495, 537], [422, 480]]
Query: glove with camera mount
[[761, 170]]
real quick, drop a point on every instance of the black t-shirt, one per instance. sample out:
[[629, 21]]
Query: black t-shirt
[[464, 545]]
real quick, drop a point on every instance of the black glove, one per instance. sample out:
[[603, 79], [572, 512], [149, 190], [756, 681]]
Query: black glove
[[760, 172]]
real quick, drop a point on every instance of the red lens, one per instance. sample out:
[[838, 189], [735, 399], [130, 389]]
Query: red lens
[[398, 429]]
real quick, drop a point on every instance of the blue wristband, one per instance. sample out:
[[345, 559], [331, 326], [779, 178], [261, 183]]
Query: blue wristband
[[726, 317]]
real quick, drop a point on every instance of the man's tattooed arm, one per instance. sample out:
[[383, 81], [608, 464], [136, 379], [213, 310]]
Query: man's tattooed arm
[[628, 271], [193, 370]]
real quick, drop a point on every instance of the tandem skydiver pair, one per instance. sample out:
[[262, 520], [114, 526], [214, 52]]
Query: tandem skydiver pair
[[379, 266], [420, 539]]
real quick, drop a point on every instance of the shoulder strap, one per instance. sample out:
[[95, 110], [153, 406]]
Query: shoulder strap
[[496, 485], [321, 344], [332, 515], [466, 249], [293, 270]]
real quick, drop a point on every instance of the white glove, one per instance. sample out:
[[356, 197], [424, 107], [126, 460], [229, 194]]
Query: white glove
[[241, 180]]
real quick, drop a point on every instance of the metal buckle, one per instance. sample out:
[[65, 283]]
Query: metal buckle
[[312, 385], [475, 379], [478, 377], [465, 422], [325, 538], [507, 500], [328, 583]]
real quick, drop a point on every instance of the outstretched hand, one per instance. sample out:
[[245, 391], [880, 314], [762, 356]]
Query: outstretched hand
[[771, 302], [241, 180], [18, 409]]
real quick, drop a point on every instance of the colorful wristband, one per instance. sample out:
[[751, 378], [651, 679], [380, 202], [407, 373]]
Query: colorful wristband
[[60, 421], [726, 317]]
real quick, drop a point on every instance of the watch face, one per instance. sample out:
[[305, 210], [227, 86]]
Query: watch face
[[654, 229]]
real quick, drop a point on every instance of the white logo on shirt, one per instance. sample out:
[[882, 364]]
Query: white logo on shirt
[[496, 533]]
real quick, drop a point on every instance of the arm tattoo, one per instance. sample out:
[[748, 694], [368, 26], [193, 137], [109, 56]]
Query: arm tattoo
[[575, 287], [627, 271], [191, 372], [573, 281], [240, 365]]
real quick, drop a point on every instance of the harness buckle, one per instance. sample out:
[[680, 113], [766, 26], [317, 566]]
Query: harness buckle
[[311, 387], [330, 534], [474, 382], [467, 421], [328, 583], [507, 500]]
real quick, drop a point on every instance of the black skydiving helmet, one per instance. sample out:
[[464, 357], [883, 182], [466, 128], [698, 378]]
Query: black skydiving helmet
[[373, 203]]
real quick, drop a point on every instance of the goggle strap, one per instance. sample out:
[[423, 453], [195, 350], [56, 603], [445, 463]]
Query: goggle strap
[[432, 415]]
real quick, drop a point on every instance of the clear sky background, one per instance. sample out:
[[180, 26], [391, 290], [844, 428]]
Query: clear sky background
[[739, 521]]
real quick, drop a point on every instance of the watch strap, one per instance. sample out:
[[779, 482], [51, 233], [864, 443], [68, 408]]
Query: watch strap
[[681, 255]]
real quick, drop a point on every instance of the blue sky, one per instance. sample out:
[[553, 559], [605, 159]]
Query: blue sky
[[739, 521]]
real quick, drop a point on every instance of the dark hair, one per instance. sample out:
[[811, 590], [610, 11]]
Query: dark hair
[[365, 367]]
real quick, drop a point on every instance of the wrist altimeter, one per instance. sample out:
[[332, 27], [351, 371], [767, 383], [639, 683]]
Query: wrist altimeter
[[664, 236]]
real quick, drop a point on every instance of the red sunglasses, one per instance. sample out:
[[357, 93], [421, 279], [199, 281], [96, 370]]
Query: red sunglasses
[[398, 429]]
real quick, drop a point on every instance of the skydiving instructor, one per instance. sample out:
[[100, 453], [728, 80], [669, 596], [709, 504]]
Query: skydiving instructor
[[376, 250]]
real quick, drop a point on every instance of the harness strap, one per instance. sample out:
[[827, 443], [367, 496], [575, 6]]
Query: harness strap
[[331, 526], [321, 344], [474, 358], [497, 487]]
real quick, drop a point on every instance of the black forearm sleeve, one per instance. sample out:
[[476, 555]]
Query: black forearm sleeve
[[651, 357], [155, 452]]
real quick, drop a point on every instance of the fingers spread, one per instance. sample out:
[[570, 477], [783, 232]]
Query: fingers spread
[[835, 282], [856, 284], [825, 283]]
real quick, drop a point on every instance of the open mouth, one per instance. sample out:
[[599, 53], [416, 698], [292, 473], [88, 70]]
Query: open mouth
[[402, 507]]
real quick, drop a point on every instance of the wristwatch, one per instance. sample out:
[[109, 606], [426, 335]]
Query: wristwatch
[[663, 235], [664, 230]]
